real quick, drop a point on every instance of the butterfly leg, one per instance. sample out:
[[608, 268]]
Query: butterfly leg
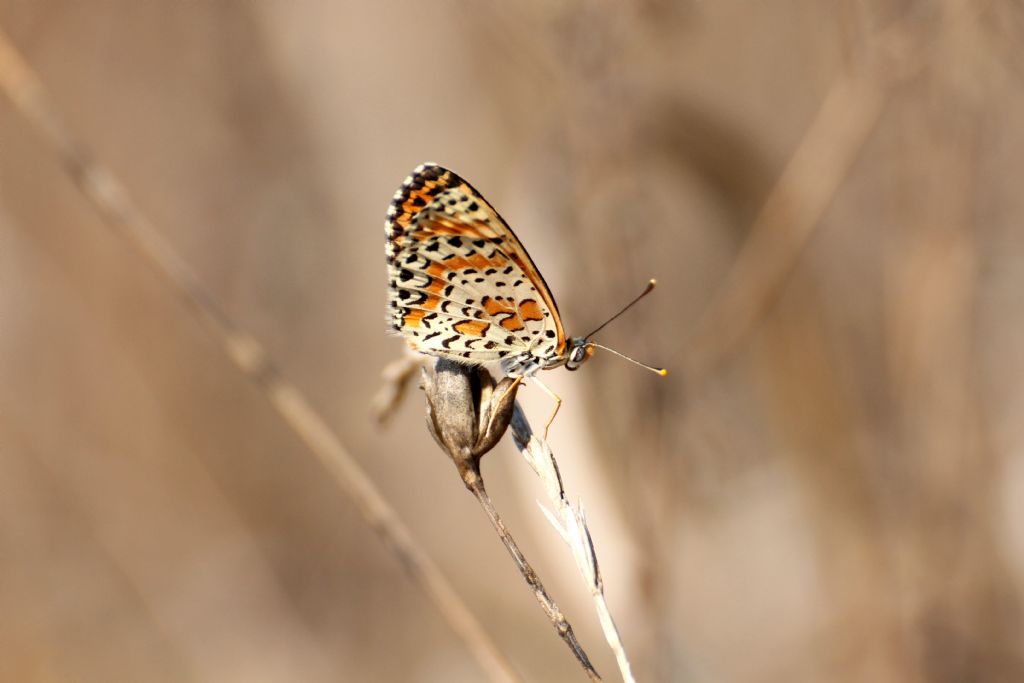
[[558, 404]]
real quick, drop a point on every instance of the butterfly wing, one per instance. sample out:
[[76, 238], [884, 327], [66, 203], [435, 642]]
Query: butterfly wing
[[461, 285]]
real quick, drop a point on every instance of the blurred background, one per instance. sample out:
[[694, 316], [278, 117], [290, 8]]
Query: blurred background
[[828, 487]]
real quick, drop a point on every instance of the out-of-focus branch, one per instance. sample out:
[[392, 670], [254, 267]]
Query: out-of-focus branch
[[794, 207], [24, 89]]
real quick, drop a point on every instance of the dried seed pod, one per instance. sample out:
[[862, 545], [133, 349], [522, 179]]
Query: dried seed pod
[[467, 413]]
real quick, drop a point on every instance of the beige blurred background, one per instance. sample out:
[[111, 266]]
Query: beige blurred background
[[828, 487]]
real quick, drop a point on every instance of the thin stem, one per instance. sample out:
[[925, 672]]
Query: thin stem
[[571, 525], [558, 620], [611, 634]]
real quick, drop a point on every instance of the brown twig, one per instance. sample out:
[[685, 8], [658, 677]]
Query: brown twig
[[558, 620], [22, 86]]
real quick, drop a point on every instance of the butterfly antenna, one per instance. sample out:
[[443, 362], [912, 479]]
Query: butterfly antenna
[[658, 371], [647, 290]]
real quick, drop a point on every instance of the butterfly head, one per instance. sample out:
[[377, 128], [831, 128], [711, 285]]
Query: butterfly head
[[580, 349]]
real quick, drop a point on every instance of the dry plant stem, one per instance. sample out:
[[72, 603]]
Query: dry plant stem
[[571, 525], [476, 486], [467, 414], [611, 634], [108, 196]]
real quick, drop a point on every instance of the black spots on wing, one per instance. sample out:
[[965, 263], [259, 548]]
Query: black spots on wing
[[525, 337], [419, 201], [455, 241], [550, 334], [478, 280], [467, 311], [446, 343], [473, 206], [451, 275], [465, 282], [431, 336], [429, 316], [469, 302], [448, 290], [517, 283], [470, 271], [509, 340], [499, 284], [489, 345], [433, 246], [405, 275], [502, 354], [452, 201], [404, 294], [411, 258], [490, 271], [508, 271], [479, 244], [393, 304]]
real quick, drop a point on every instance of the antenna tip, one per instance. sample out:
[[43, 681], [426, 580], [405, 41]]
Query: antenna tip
[[662, 371], [653, 283]]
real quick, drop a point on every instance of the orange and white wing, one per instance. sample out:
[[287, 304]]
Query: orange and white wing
[[461, 285]]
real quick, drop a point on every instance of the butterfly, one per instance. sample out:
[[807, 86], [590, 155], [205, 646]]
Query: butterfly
[[461, 285]]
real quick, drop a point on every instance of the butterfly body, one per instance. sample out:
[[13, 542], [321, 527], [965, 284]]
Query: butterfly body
[[463, 287]]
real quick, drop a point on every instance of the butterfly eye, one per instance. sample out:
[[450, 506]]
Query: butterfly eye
[[579, 352]]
